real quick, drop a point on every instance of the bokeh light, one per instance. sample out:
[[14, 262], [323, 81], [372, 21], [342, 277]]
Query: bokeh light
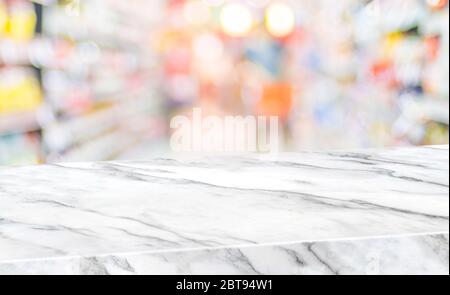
[[280, 19], [236, 19]]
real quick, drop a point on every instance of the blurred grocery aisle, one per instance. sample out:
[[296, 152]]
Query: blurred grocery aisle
[[100, 79]]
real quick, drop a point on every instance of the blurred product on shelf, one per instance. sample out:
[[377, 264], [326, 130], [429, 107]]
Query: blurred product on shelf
[[19, 91], [17, 20], [20, 149]]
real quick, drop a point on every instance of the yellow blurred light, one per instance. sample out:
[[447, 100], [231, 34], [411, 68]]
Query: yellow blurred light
[[280, 20], [236, 19]]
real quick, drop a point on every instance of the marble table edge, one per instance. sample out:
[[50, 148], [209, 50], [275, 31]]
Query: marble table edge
[[222, 247], [262, 155]]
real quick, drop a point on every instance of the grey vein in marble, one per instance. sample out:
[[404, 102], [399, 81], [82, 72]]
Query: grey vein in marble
[[87, 212]]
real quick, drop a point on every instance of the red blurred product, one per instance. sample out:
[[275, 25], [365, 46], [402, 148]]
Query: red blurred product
[[432, 44]]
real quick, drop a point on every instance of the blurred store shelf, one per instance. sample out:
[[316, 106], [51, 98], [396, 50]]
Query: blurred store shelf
[[73, 75]]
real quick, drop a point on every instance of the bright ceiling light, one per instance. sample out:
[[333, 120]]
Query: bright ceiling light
[[236, 20], [280, 20]]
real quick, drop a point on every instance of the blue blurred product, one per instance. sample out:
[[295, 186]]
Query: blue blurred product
[[17, 149]]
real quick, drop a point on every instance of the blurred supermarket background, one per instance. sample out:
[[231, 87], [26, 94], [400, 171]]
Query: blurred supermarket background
[[84, 80]]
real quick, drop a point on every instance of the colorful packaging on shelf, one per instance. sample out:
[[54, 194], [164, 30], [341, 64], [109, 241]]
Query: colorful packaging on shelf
[[19, 91], [21, 21]]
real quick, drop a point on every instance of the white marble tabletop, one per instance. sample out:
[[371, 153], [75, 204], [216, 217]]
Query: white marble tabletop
[[332, 212]]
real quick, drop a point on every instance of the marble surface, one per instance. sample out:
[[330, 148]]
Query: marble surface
[[340, 212]]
